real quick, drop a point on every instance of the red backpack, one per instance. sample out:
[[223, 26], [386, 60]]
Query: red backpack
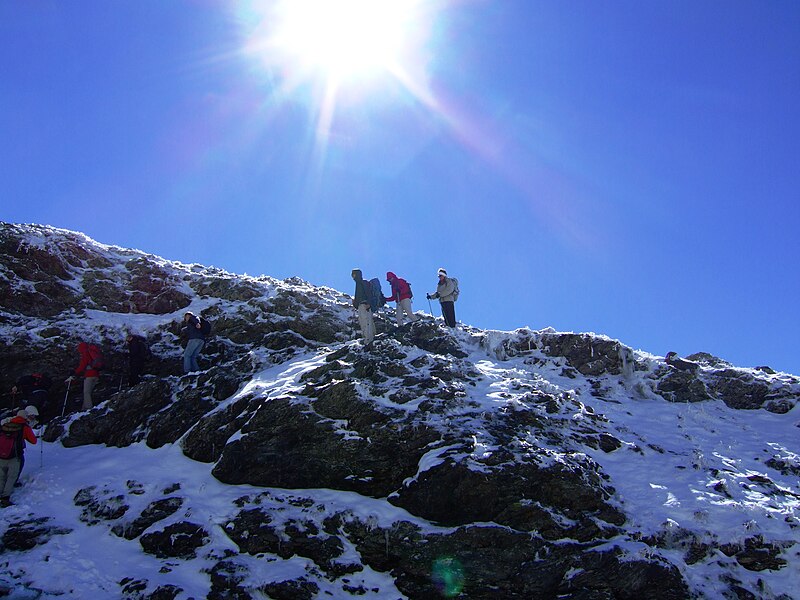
[[404, 288], [96, 355], [9, 440]]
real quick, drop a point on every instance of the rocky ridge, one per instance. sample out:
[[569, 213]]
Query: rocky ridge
[[504, 450]]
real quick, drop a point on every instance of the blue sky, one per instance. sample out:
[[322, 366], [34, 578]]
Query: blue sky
[[621, 167]]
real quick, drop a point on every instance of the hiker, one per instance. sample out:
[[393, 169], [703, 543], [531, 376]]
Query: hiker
[[401, 293], [447, 293], [681, 364], [91, 361], [31, 417], [137, 355], [35, 390], [14, 432], [196, 330], [361, 303]]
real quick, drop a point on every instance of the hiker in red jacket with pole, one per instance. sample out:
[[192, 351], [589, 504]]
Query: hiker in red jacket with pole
[[401, 293], [90, 364]]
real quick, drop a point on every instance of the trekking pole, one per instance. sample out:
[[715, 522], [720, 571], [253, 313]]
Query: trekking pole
[[41, 446], [120, 382], [13, 399], [430, 306], [69, 384]]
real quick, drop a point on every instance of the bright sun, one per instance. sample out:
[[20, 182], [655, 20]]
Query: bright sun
[[344, 38], [332, 55], [337, 39]]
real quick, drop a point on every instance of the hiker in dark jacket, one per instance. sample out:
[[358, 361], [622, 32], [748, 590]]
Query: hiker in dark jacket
[[361, 303], [401, 293], [137, 355], [196, 339], [34, 388], [445, 291], [15, 432], [88, 367]]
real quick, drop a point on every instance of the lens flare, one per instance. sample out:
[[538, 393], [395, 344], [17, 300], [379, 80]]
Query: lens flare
[[447, 575]]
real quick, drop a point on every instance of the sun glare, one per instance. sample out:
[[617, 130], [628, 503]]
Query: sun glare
[[342, 38], [334, 55], [336, 40]]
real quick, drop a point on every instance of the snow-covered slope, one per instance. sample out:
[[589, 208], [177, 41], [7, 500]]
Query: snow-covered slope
[[472, 464]]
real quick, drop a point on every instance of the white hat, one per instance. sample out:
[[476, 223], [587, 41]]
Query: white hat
[[441, 272], [32, 410]]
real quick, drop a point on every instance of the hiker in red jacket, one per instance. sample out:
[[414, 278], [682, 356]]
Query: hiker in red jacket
[[14, 433], [401, 293], [89, 366]]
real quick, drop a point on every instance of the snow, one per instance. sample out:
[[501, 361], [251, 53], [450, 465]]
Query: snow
[[89, 562], [681, 467]]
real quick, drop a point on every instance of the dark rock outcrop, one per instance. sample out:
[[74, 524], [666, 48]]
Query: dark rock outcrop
[[491, 468], [179, 540]]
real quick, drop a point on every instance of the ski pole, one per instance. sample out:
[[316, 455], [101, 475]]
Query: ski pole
[[64, 409]]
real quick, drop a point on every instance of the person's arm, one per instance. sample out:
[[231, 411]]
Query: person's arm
[[28, 434], [85, 360], [395, 297]]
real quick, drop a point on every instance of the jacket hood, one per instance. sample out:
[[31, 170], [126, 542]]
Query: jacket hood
[[390, 276], [83, 347], [356, 274]]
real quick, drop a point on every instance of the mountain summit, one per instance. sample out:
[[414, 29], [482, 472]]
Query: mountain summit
[[436, 463]]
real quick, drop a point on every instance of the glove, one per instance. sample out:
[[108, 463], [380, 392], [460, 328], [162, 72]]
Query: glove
[[428, 296]]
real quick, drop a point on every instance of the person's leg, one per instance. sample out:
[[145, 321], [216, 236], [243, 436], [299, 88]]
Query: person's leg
[[193, 348], [8, 475], [89, 384], [196, 353], [21, 466], [133, 376], [406, 304], [366, 322], [398, 313], [187, 357], [371, 323], [4, 478], [449, 313]]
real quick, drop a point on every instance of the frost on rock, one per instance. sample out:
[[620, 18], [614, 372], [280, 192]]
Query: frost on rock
[[298, 463]]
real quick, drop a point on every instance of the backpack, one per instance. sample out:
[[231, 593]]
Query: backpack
[[97, 363], [205, 326], [41, 381], [456, 291], [403, 286], [9, 439], [374, 294]]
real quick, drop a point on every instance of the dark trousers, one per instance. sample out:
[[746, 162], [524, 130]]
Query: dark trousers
[[449, 313], [135, 370]]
